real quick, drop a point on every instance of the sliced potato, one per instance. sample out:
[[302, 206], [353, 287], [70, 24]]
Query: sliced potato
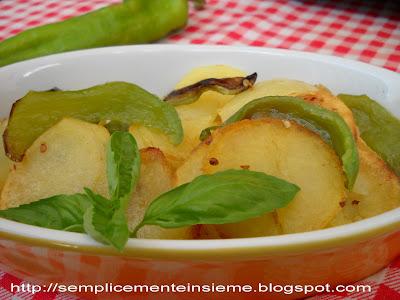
[[377, 184], [189, 170], [156, 177], [205, 232], [324, 98], [5, 162], [275, 87], [289, 152], [349, 213], [63, 160], [376, 190], [147, 137], [193, 166], [265, 225], [195, 117]]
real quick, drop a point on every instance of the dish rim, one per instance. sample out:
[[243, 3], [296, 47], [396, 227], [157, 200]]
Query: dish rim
[[364, 230]]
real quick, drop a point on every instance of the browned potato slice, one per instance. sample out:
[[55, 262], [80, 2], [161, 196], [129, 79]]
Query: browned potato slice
[[376, 190], [156, 177], [63, 160], [195, 116], [289, 152], [5, 162], [324, 98], [265, 225], [376, 184], [275, 87], [146, 137], [192, 167], [349, 213], [205, 232]]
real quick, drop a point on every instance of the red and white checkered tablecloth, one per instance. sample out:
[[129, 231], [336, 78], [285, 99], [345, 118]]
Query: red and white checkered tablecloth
[[362, 30], [368, 31]]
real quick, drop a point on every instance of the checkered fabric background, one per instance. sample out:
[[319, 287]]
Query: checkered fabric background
[[365, 30], [368, 31]]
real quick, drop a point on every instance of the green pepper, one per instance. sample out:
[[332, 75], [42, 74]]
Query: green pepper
[[329, 125], [378, 128], [115, 104], [130, 22]]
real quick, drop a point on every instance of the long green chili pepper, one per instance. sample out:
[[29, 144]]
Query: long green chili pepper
[[130, 22]]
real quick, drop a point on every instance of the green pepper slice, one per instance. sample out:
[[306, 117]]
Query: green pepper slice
[[115, 104], [328, 124], [378, 128]]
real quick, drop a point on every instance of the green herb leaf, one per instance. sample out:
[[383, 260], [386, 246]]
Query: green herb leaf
[[224, 197], [61, 212], [378, 128], [123, 166], [105, 220]]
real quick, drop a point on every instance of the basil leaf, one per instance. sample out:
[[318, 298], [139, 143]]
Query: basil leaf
[[105, 219], [61, 212], [224, 197], [123, 165]]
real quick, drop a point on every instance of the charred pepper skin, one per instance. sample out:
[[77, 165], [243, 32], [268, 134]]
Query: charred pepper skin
[[224, 86], [130, 22]]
